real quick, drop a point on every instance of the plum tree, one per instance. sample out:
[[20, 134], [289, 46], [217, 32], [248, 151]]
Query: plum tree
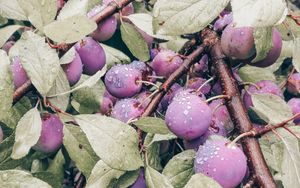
[[264, 87], [188, 116], [238, 43], [126, 109], [73, 70], [140, 181], [92, 55], [51, 135], [122, 81], [294, 103], [166, 62], [18, 72], [293, 84], [224, 162]]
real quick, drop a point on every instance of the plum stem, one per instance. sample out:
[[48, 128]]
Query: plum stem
[[147, 82], [204, 84], [250, 133], [218, 97]]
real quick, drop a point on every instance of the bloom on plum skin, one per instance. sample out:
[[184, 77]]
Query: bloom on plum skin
[[126, 109]]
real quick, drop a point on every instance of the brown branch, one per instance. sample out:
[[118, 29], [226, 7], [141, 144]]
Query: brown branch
[[256, 161], [106, 12]]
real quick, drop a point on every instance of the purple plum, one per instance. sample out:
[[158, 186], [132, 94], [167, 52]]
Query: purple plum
[[153, 53], [105, 29], [140, 181], [18, 72], [188, 116], [217, 89], [294, 103], [122, 81], [126, 109], [6, 47], [223, 21], [225, 163], [166, 100], [221, 113], [265, 87], [145, 69], [60, 4], [51, 135], [293, 84], [196, 83], [92, 55], [106, 106], [73, 70], [201, 68], [144, 99]]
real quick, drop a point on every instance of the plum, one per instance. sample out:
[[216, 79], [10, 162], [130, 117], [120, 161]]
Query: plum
[[274, 52], [60, 4], [18, 72], [148, 39], [293, 84], [265, 87], [166, 100], [196, 83], [221, 113], [51, 135], [144, 99], [108, 95], [1, 134], [144, 69], [122, 81], [73, 70], [92, 55], [225, 163], [201, 68], [126, 11], [106, 106], [126, 109], [166, 62], [217, 89], [222, 22], [6, 47], [153, 53], [188, 116], [238, 43], [294, 103], [105, 29], [140, 181]]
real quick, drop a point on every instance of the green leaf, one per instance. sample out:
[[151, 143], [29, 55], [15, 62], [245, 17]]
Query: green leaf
[[70, 30], [28, 132], [182, 17], [127, 179], [6, 32], [257, 13], [144, 22], [3, 21], [39, 13], [272, 107], [6, 85], [160, 137], [61, 85], [103, 175], [72, 8], [152, 125], [118, 146], [12, 10], [114, 56], [50, 178], [175, 43], [40, 61], [68, 57], [292, 31], [154, 179], [200, 180], [263, 42], [255, 74], [180, 168], [152, 152], [79, 149], [89, 98], [19, 178], [90, 82], [296, 54], [135, 42], [56, 166], [6, 147]]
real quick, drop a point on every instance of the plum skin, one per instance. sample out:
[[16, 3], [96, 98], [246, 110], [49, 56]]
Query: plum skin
[[92, 55], [126, 109], [238, 43], [197, 82], [18, 72], [73, 70], [188, 116], [51, 135], [225, 164], [293, 84], [105, 29], [265, 87], [294, 104], [140, 181]]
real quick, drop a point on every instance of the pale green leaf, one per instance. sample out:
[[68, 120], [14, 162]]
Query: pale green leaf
[[296, 54], [6, 32], [103, 175], [127, 179], [263, 42], [72, 8], [175, 43], [258, 13], [154, 179], [152, 152], [135, 42], [114, 56], [182, 17], [39, 60], [70, 30], [255, 74], [28, 132], [49, 178], [56, 166], [79, 149], [200, 180], [68, 57], [19, 178], [180, 168], [12, 10], [118, 146], [152, 125], [39, 12], [60, 85]]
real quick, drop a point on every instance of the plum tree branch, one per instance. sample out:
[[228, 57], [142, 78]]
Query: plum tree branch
[[256, 161], [106, 12]]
